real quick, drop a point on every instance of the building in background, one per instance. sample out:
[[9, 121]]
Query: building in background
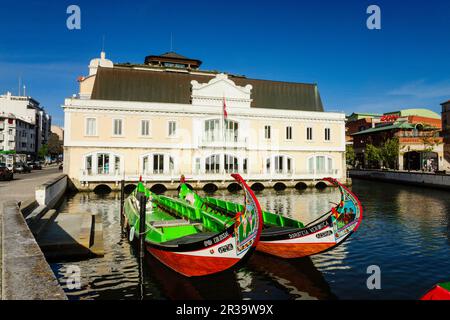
[[446, 132], [357, 122], [167, 117], [419, 136], [17, 139], [30, 122], [59, 131]]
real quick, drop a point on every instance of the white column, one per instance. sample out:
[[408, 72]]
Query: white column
[[95, 163], [112, 164]]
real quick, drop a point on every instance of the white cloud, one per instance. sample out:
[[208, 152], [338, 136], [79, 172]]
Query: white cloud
[[422, 90]]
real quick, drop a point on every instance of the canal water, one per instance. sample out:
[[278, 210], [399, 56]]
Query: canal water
[[405, 232]]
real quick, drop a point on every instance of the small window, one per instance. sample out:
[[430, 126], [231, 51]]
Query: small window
[[288, 133], [172, 128], [327, 134], [267, 132], [91, 127], [117, 130], [145, 127], [268, 165], [309, 132]]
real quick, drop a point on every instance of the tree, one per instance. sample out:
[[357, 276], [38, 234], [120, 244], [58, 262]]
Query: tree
[[350, 155], [43, 151], [55, 146], [373, 155], [389, 152]]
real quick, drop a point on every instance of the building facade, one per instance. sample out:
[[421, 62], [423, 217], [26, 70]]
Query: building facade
[[419, 139], [446, 133], [17, 139], [166, 118], [59, 131], [26, 126]]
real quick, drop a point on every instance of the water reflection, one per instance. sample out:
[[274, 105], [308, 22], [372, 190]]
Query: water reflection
[[405, 231]]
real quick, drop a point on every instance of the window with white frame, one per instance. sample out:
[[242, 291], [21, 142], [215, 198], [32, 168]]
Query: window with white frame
[[231, 130], [172, 128], [117, 127], [212, 130], [309, 133], [103, 163], [245, 165], [157, 164], [212, 164], [88, 164], [288, 133], [282, 164], [145, 128], [267, 132], [91, 127], [230, 164], [320, 164], [327, 134]]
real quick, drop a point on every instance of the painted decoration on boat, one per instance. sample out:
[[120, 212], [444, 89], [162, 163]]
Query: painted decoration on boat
[[345, 215], [246, 223]]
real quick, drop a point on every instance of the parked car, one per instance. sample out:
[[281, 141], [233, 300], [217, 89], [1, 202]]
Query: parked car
[[5, 173], [20, 167], [36, 165]]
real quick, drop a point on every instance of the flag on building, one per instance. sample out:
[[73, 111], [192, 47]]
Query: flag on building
[[225, 114]]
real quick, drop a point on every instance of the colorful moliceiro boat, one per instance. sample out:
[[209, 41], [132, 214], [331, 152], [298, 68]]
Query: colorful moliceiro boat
[[288, 238], [192, 241], [441, 291]]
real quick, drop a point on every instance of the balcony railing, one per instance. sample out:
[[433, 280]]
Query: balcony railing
[[228, 142], [89, 176]]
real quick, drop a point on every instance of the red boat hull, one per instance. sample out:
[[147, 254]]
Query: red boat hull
[[437, 293], [293, 250], [191, 265]]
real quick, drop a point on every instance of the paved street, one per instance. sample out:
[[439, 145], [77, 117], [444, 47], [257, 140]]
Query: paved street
[[20, 189]]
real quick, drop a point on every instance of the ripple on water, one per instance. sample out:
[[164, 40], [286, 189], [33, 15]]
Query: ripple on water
[[405, 231]]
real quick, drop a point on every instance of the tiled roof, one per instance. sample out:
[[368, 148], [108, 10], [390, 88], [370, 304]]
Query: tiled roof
[[129, 84]]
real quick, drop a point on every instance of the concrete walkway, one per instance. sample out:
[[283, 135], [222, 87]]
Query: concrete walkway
[[20, 189]]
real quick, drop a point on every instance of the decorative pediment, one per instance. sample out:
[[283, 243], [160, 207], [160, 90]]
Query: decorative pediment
[[218, 88]]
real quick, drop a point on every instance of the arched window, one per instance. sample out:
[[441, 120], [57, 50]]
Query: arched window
[[212, 164], [103, 163], [157, 163], [280, 164], [230, 164], [320, 164], [222, 163]]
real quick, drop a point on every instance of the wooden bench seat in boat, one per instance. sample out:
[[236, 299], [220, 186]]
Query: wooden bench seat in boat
[[190, 238], [172, 223]]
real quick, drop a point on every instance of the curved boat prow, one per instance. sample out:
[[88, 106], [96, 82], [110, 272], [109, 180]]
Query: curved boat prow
[[320, 235], [208, 253]]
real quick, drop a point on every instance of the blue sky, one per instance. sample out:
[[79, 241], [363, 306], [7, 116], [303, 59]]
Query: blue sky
[[405, 64]]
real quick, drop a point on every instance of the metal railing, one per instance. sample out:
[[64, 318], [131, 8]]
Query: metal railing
[[233, 142], [172, 176]]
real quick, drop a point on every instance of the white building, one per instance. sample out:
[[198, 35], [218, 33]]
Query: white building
[[26, 125], [166, 117]]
